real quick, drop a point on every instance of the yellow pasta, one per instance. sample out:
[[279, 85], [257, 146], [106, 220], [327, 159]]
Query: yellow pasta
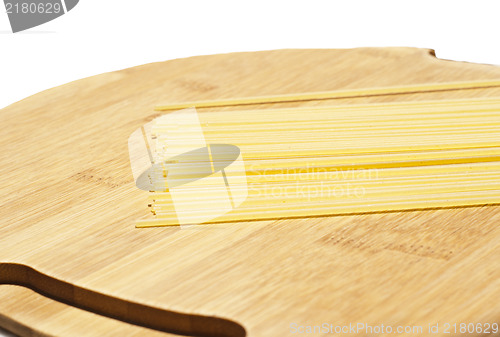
[[330, 160], [410, 89]]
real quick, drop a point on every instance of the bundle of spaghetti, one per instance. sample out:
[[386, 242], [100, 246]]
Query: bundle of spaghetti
[[327, 160]]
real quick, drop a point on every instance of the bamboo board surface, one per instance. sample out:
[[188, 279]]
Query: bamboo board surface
[[69, 206]]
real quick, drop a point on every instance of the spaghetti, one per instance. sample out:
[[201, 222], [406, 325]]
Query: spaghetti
[[329, 160]]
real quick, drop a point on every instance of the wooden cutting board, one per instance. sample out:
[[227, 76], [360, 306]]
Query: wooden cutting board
[[69, 205]]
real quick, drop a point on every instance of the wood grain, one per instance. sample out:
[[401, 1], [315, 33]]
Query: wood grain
[[69, 206]]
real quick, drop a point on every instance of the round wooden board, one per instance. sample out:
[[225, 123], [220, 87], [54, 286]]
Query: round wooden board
[[69, 205]]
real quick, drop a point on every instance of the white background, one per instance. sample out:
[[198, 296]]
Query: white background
[[101, 36]]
